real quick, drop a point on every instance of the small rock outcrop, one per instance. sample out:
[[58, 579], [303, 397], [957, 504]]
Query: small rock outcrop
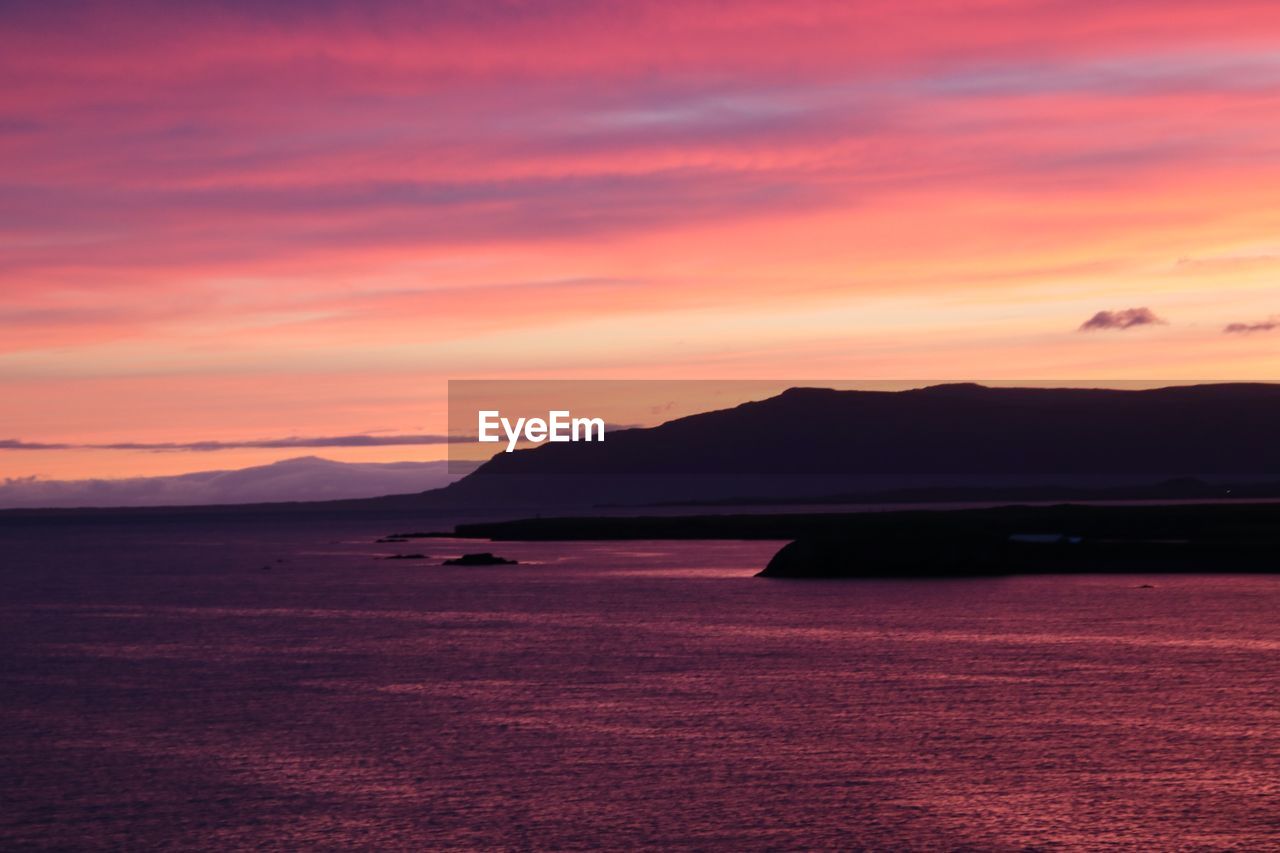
[[481, 559]]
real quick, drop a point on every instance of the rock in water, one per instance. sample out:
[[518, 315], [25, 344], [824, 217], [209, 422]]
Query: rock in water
[[482, 559]]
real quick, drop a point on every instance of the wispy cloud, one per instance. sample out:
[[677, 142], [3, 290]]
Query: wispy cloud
[[1248, 328], [205, 203], [291, 442], [1227, 262], [1127, 318]]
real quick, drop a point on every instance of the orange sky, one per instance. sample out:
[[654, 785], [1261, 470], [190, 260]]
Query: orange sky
[[229, 222]]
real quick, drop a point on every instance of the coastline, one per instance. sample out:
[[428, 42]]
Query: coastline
[[1009, 540], [1218, 521]]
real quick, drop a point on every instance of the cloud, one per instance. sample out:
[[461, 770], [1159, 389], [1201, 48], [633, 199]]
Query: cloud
[[178, 175], [1247, 328], [1227, 262], [1125, 319], [268, 443]]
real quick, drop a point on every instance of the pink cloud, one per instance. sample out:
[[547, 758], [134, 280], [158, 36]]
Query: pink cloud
[[1129, 318], [206, 184]]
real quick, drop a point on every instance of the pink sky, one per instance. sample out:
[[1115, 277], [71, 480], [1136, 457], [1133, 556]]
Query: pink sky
[[242, 222]]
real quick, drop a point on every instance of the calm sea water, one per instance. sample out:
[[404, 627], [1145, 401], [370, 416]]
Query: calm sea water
[[160, 688]]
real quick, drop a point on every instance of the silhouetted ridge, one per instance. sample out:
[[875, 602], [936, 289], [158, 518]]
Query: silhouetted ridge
[[955, 388], [941, 434]]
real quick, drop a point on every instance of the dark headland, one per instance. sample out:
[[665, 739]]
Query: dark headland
[[1065, 539]]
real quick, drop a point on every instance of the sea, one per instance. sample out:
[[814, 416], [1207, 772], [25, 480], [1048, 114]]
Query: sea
[[229, 684]]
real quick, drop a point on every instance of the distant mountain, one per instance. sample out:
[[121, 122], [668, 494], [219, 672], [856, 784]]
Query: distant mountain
[[307, 478], [821, 442]]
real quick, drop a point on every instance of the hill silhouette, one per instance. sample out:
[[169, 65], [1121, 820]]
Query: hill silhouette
[[819, 442]]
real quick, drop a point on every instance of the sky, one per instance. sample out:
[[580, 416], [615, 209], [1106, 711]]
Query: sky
[[232, 233]]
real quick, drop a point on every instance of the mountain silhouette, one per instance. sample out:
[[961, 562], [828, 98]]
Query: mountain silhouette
[[943, 443], [306, 478], [817, 441]]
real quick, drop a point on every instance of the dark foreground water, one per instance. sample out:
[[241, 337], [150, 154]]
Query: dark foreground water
[[160, 688]]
